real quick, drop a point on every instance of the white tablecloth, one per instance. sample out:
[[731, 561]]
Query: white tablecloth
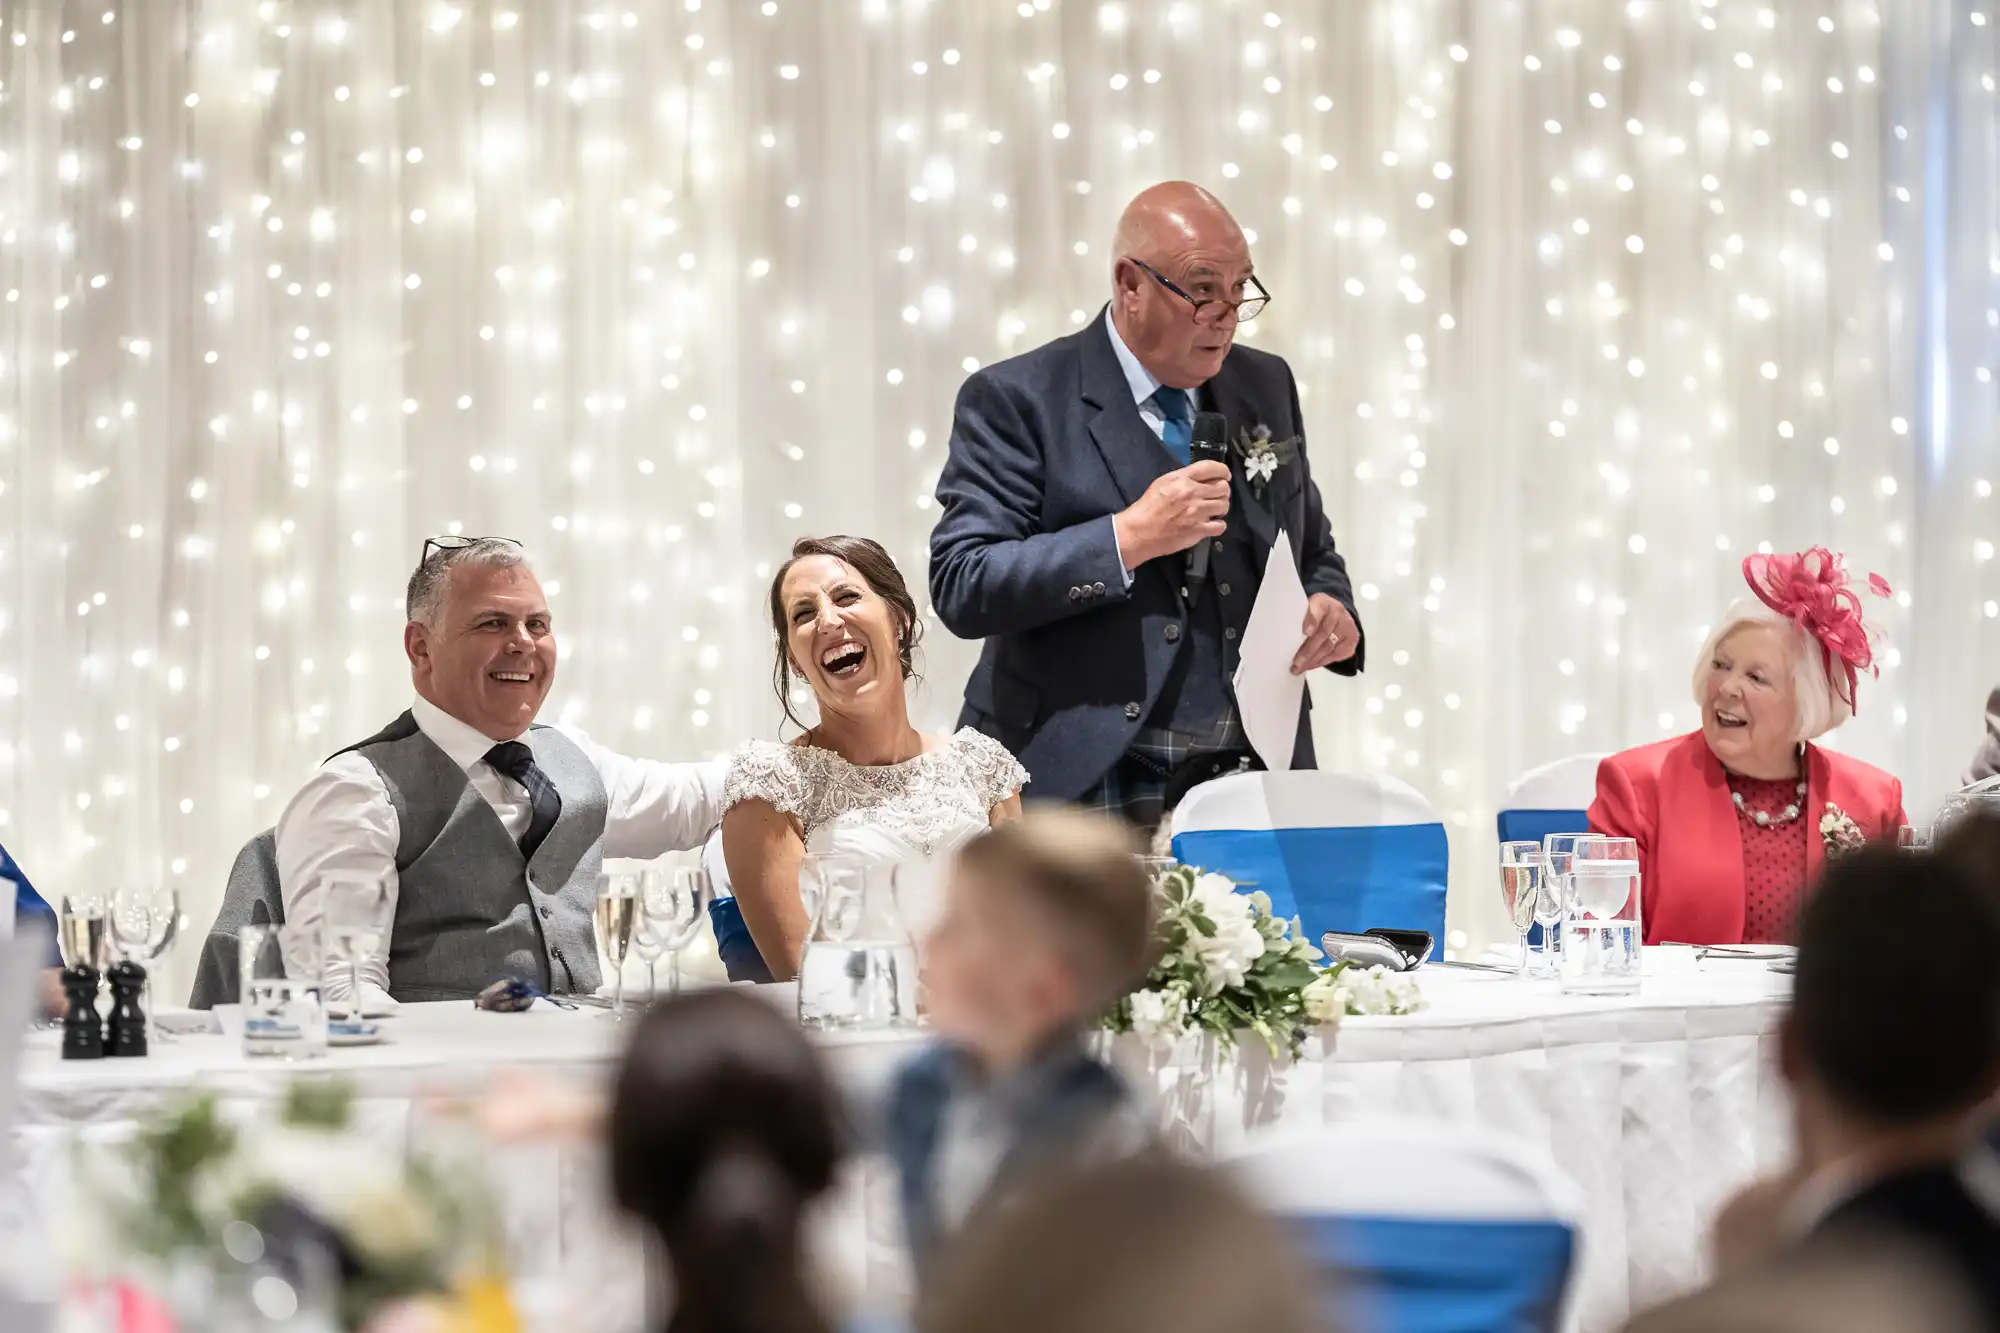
[[1658, 1105]]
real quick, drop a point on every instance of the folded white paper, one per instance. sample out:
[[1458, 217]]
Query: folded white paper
[[1268, 695]]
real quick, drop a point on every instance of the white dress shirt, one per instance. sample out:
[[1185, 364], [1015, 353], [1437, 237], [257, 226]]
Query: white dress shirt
[[342, 825], [1144, 384]]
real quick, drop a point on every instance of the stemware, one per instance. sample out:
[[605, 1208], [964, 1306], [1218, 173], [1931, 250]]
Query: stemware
[[1520, 885], [84, 932], [619, 895], [682, 905], [356, 923], [647, 941], [144, 923], [1552, 899]]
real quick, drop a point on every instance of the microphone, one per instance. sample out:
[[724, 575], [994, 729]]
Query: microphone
[[1209, 442]]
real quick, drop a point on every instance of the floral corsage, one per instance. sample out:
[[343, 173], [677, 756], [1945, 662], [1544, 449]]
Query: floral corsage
[[1839, 832], [1262, 456]]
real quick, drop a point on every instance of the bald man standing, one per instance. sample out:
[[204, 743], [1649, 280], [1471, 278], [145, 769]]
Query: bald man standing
[[1071, 509]]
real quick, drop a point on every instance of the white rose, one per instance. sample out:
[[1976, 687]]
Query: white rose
[[1157, 1015], [1226, 955], [1219, 901]]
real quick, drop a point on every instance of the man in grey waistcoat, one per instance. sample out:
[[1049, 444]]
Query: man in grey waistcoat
[[488, 827]]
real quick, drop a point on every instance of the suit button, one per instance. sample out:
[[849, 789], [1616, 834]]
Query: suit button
[[1173, 634], [1097, 588], [1222, 588], [1230, 634], [1218, 546], [1076, 594], [1132, 712]]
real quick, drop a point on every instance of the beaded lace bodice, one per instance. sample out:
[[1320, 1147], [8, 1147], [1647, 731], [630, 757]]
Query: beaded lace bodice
[[928, 803]]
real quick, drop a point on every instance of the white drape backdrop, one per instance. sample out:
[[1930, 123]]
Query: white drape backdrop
[[1585, 302]]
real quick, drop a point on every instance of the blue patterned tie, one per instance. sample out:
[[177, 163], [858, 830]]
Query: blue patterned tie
[[1177, 430]]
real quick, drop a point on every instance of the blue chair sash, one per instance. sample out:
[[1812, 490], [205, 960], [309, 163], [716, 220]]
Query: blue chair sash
[[1534, 825], [29, 907], [1347, 879], [740, 958], [1443, 1275]]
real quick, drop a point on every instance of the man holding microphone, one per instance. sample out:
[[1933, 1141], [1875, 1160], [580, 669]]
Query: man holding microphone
[[1106, 533]]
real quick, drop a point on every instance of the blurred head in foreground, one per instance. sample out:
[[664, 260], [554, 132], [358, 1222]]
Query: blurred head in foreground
[[1047, 922], [1892, 1043], [1143, 1245], [724, 1128]]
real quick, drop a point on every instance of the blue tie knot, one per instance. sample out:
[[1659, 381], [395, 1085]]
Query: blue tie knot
[[1174, 404]]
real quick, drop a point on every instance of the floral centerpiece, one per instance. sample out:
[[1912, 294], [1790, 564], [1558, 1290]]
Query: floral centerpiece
[[1227, 965], [299, 1211]]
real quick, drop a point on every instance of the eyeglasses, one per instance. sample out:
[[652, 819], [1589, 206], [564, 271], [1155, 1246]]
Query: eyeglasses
[[1247, 308], [456, 543]]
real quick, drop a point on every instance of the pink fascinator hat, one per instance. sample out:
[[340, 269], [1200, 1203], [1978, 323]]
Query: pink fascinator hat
[[1813, 591]]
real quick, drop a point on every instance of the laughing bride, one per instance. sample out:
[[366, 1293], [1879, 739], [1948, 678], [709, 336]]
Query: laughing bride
[[861, 781]]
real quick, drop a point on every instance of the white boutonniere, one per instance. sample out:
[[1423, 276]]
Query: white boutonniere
[[1262, 456], [1839, 831]]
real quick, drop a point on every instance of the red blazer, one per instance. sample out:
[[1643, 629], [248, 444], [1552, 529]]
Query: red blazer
[[1672, 798]]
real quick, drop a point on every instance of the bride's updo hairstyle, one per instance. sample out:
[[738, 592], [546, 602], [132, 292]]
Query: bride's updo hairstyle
[[724, 1129], [868, 559]]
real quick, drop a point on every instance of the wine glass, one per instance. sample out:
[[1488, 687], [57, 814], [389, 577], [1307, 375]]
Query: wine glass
[[680, 909], [144, 922], [1552, 898], [356, 921], [1520, 886], [618, 901], [647, 941]]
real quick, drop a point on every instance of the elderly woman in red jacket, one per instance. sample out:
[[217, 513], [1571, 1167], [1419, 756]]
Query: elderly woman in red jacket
[[1735, 820]]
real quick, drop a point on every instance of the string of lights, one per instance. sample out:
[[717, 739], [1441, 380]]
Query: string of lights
[[1585, 303]]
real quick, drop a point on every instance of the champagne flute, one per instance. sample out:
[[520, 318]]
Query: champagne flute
[[356, 921], [1520, 887], [682, 909], [618, 899], [84, 932]]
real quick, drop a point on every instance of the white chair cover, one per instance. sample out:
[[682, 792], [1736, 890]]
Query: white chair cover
[[1424, 1226], [1341, 851]]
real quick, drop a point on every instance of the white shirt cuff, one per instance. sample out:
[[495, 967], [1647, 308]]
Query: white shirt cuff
[[1124, 569]]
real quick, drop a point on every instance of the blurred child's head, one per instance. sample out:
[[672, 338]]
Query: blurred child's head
[[1047, 921]]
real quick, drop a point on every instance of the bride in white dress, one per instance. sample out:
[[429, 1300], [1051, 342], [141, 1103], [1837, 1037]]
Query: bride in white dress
[[862, 781]]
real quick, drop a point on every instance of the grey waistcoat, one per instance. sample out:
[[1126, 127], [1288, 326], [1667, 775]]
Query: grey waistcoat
[[469, 909]]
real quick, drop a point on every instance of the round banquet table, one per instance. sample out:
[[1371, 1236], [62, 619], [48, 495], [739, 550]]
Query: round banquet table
[[1658, 1105]]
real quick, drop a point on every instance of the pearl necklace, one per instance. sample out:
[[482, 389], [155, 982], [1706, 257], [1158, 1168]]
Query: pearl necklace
[[1764, 818]]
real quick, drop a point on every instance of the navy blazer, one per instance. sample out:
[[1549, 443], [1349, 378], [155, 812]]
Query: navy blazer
[[1080, 1098], [1045, 448]]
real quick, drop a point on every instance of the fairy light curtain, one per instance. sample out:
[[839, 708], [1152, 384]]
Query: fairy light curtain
[[1586, 301]]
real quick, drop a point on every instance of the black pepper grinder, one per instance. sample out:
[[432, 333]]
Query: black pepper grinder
[[83, 1030], [126, 1031]]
